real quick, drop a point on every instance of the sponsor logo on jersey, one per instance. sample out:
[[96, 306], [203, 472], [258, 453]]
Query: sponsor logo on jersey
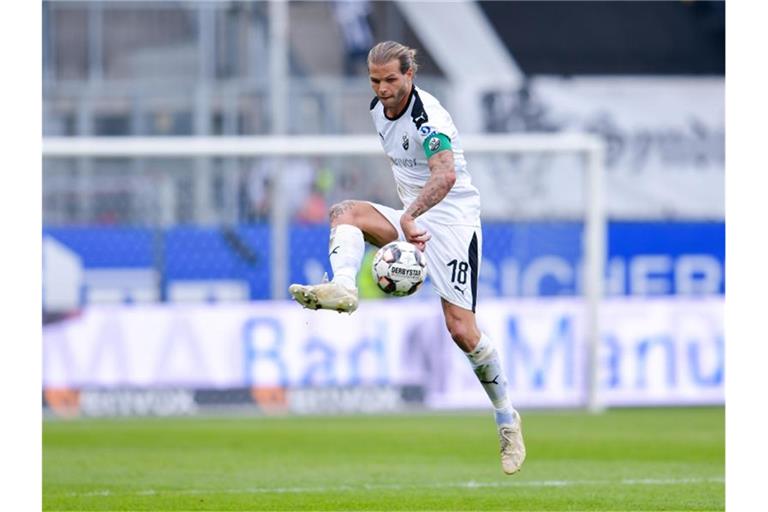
[[406, 143], [404, 162], [434, 143], [426, 130]]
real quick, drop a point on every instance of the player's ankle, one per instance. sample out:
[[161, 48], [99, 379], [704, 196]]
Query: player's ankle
[[505, 416], [345, 281]]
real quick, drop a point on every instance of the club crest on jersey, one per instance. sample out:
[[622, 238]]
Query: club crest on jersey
[[406, 143]]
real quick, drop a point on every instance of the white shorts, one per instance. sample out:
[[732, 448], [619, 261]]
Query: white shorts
[[453, 256]]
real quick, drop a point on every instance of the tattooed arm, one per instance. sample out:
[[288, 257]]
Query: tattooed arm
[[443, 176]]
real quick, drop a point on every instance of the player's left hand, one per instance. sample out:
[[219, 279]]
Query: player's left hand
[[414, 234]]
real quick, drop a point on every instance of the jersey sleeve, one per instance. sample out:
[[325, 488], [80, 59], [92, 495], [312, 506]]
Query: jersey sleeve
[[434, 128]]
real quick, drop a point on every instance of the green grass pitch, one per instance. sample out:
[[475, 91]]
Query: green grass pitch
[[626, 459]]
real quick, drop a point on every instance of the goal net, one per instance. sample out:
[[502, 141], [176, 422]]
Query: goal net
[[217, 220]]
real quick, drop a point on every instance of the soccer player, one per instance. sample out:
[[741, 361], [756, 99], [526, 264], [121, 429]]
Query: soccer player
[[441, 216]]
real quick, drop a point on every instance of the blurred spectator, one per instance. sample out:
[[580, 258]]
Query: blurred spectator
[[256, 194], [298, 178], [352, 17], [366, 285], [315, 208]]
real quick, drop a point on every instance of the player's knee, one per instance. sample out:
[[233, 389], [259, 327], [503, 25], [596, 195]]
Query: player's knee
[[343, 213], [460, 331]]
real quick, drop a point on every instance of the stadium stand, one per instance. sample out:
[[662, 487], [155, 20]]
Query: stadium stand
[[109, 71]]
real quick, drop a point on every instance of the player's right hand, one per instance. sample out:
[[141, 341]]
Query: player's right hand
[[414, 234]]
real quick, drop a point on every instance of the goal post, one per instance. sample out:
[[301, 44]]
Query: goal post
[[589, 147], [288, 145]]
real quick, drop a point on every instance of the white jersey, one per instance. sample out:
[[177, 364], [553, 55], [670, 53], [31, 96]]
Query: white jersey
[[402, 138]]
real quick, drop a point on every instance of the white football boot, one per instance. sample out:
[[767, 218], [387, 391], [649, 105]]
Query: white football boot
[[326, 295], [512, 446]]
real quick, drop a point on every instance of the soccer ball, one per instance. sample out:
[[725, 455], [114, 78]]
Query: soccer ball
[[399, 268]]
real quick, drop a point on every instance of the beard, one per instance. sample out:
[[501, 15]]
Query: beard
[[395, 100]]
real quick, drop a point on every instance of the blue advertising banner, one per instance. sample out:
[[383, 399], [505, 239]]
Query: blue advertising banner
[[520, 259], [543, 259]]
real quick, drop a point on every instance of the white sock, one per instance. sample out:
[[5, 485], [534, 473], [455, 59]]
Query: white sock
[[486, 364], [346, 248]]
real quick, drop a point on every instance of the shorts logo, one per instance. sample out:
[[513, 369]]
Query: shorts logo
[[434, 144], [406, 143]]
